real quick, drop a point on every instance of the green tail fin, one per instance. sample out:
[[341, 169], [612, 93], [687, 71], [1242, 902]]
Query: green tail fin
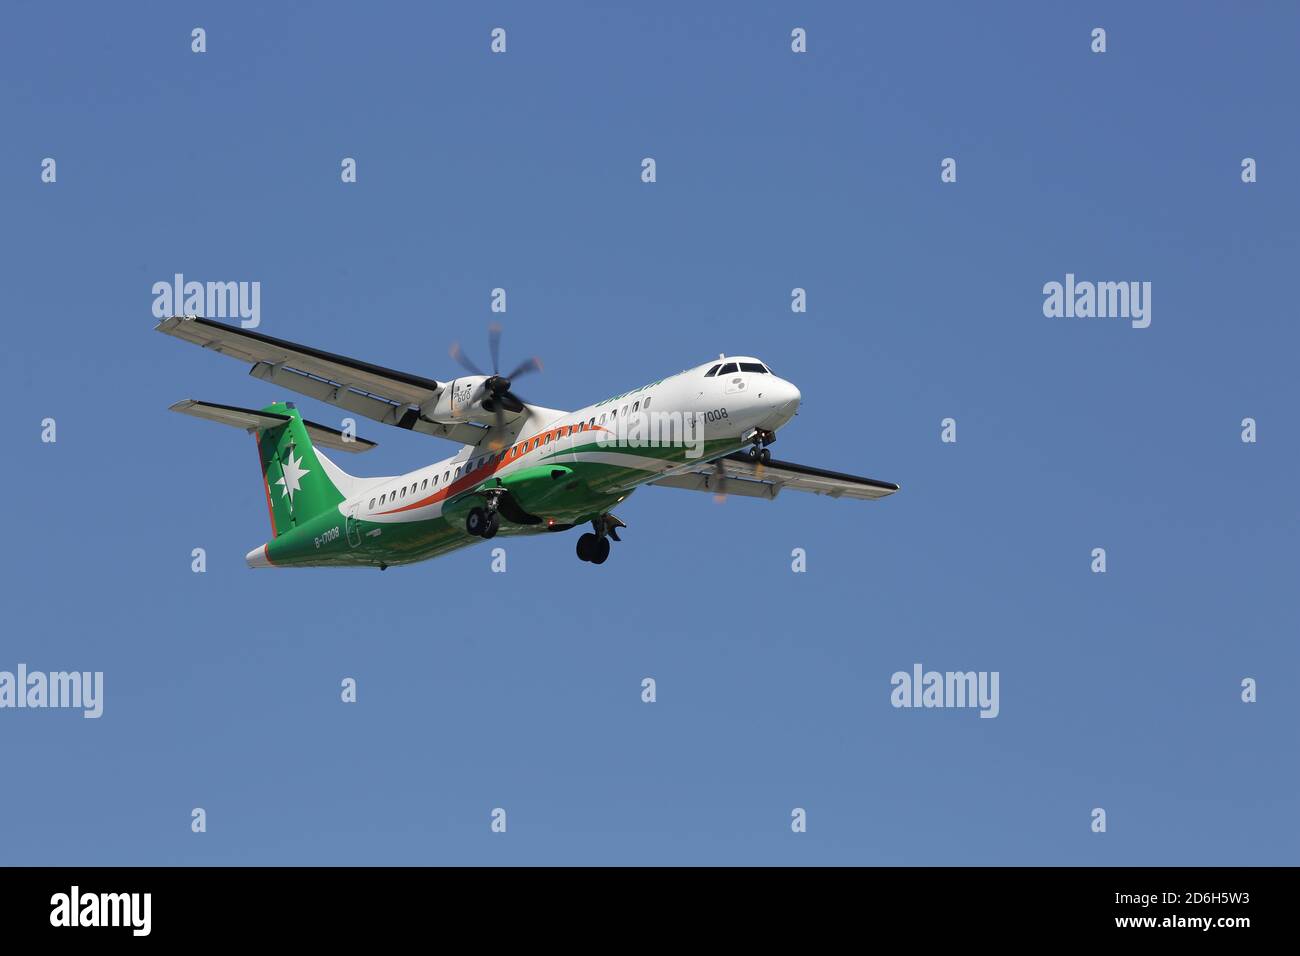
[[297, 485]]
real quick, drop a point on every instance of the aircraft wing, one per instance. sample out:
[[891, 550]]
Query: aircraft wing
[[736, 475], [378, 393]]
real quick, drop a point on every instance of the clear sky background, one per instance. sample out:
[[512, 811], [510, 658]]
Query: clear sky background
[[522, 690]]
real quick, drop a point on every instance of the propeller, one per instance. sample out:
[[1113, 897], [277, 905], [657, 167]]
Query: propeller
[[499, 398], [719, 482]]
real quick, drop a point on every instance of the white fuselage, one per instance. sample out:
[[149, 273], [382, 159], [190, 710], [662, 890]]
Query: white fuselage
[[725, 407]]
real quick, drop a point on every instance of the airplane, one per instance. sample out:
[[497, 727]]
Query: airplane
[[521, 468]]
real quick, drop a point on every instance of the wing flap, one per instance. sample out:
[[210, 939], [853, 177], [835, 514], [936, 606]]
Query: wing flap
[[700, 481], [254, 347], [740, 476]]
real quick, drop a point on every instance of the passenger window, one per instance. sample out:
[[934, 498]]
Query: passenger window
[[624, 411], [727, 369], [592, 423], [647, 403], [424, 484], [372, 502], [458, 471], [713, 371], [403, 495], [602, 419], [383, 498], [446, 475], [635, 406]]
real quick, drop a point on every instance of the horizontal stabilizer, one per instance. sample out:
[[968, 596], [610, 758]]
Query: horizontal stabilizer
[[249, 418]]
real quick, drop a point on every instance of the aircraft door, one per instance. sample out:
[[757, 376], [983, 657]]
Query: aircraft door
[[354, 529]]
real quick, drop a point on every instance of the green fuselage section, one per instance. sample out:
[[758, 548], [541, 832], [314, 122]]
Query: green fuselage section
[[571, 487]]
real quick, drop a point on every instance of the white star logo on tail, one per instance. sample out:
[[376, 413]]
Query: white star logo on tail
[[291, 480]]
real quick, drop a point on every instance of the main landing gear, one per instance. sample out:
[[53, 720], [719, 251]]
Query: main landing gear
[[758, 452], [483, 522], [595, 547]]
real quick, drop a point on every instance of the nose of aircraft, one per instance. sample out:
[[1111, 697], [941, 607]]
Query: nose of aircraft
[[788, 395], [783, 398]]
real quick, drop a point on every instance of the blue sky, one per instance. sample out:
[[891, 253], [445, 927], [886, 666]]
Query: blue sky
[[775, 170]]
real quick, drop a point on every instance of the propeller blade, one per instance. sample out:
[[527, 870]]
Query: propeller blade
[[495, 391], [509, 399], [496, 444], [464, 360], [494, 347], [533, 364]]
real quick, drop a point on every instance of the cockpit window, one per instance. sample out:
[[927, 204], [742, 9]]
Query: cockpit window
[[752, 367], [727, 369], [713, 371]]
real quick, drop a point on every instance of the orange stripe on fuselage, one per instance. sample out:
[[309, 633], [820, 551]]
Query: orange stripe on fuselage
[[460, 484]]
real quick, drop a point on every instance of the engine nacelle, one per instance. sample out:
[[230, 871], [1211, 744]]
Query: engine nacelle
[[462, 400]]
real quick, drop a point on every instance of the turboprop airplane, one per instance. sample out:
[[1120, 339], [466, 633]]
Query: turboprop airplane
[[521, 468]]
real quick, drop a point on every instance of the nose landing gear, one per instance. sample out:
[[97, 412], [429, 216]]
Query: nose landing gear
[[758, 452]]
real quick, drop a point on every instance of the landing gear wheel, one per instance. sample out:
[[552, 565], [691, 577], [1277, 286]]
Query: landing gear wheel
[[493, 523], [586, 547], [476, 521], [753, 453], [764, 456], [601, 551]]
